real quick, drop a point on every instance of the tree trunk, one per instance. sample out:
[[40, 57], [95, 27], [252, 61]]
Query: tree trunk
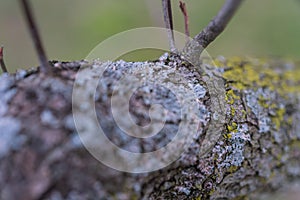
[[246, 142]]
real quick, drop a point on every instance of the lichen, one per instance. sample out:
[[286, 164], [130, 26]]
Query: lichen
[[245, 73], [9, 139]]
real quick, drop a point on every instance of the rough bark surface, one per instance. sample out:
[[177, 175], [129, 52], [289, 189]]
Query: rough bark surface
[[257, 150]]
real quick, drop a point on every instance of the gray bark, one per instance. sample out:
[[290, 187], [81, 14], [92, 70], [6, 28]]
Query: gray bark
[[256, 151]]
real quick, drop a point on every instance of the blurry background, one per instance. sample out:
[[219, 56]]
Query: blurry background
[[72, 28]]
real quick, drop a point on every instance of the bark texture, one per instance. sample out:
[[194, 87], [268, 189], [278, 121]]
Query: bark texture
[[256, 152]]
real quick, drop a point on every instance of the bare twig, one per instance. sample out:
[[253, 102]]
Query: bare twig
[[168, 18], [2, 64], [45, 67], [218, 24], [186, 19]]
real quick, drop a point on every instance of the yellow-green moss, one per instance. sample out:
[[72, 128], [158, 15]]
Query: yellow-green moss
[[232, 169], [230, 97], [278, 118], [244, 114], [290, 120], [263, 102], [232, 127], [211, 192], [295, 144], [232, 110], [227, 136], [244, 73]]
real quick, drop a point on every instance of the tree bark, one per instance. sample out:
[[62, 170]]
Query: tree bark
[[256, 151]]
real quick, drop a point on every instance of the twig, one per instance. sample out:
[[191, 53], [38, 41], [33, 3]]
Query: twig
[[218, 24], [45, 67], [186, 19], [2, 64], [168, 18]]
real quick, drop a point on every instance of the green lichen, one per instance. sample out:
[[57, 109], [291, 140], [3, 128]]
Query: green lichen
[[278, 118], [232, 127], [263, 102], [232, 110], [244, 114], [295, 144], [266, 75], [246, 73], [232, 169], [230, 97], [211, 192]]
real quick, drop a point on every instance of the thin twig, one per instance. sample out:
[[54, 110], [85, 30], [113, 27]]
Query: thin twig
[[2, 64], [45, 67], [218, 24], [168, 18], [186, 19]]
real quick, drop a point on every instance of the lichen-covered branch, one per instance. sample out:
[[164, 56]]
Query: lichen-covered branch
[[258, 149]]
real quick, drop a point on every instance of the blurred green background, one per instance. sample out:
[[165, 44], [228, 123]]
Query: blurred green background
[[72, 28]]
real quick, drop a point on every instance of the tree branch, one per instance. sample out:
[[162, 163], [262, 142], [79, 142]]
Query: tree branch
[[42, 156], [183, 9], [45, 67], [2, 64], [218, 24], [167, 10]]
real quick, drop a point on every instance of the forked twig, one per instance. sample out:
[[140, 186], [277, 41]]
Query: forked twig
[[186, 19], [218, 24], [45, 67], [168, 19], [2, 64]]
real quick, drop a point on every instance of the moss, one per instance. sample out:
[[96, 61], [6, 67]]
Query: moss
[[243, 73], [263, 102], [281, 77], [232, 110], [278, 118], [290, 121], [211, 192], [232, 127], [227, 136], [295, 144], [244, 114], [232, 169], [230, 97]]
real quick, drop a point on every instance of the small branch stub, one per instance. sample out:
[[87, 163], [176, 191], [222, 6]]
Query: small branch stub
[[2, 64], [45, 67]]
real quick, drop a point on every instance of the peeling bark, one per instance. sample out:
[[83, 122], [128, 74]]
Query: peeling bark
[[257, 150]]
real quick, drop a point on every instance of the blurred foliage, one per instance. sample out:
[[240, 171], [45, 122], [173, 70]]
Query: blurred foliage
[[72, 28]]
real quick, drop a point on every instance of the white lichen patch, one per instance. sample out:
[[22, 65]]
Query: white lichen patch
[[48, 118], [199, 90], [252, 100], [233, 154], [9, 138], [7, 81], [6, 92]]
